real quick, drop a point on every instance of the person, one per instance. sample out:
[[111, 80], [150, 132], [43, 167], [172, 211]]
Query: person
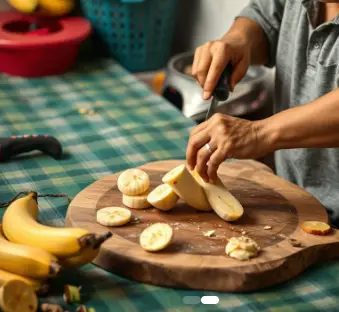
[[300, 38]]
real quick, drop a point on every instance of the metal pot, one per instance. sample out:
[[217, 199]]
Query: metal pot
[[249, 95]]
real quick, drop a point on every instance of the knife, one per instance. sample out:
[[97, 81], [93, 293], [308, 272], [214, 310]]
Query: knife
[[15, 145], [221, 91]]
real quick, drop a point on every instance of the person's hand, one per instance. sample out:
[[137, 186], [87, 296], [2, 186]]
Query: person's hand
[[211, 59], [227, 137]]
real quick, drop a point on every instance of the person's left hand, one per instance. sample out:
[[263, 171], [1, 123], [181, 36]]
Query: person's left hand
[[227, 137]]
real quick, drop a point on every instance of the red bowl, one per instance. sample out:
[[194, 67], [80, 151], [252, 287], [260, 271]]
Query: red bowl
[[50, 49]]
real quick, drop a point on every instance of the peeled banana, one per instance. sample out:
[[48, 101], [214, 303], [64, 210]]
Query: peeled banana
[[38, 285], [133, 182], [24, 6], [113, 216], [26, 260], [186, 187], [17, 296], [226, 206], [156, 237], [242, 248], [20, 226], [137, 201], [163, 197]]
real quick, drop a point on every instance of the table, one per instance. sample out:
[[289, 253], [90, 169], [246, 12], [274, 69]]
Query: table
[[131, 126]]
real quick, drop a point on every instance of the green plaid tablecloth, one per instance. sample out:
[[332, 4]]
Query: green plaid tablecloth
[[132, 126]]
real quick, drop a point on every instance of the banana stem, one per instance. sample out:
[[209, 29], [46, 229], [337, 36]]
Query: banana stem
[[93, 240]]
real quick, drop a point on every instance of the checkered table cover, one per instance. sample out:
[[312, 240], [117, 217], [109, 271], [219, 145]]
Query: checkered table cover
[[132, 126]]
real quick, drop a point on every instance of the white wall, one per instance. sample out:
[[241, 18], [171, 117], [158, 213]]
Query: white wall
[[203, 20], [4, 5]]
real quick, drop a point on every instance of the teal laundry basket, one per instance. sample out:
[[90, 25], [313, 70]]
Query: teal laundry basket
[[138, 33]]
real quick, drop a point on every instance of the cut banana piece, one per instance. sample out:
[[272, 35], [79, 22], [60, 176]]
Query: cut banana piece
[[133, 182], [137, 201], [163, 197], [226, 206], [17, 296], [242, 248], [156, 237], [113, 216], [187, 188]]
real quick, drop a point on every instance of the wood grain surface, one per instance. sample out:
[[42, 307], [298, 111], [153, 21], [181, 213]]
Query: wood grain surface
[[194, 261]]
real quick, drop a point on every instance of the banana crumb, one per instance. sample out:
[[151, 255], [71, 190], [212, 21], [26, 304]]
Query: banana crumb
[[243, 232], [267, 227], [209, 233]]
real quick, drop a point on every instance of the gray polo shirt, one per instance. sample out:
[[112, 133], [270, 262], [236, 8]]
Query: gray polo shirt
[[306, 58]]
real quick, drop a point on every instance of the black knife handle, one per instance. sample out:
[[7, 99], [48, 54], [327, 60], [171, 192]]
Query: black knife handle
[[15, 145], [221, 91]]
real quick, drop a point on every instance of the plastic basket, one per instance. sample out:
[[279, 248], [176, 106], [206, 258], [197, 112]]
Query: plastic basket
[[138, 33]]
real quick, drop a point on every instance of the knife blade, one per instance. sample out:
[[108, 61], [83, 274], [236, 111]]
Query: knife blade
[[221, 91]]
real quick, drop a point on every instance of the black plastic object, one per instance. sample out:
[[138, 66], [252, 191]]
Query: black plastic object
[[15, 145], [221, 91]]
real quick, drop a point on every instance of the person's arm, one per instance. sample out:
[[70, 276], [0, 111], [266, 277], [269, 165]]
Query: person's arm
[[260, 20], [313, 125]]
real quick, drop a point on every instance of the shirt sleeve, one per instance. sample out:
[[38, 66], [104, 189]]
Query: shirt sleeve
[[268, 14]]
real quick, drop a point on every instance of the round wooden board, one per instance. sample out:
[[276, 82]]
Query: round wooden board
[[194, 261]]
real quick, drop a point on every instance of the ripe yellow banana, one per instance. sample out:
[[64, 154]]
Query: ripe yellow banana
[[20, 226], [86, 256], [26, 260], [17, 296], [226, 206], [56, 7], [187, 188], [163, 197], [38, 285], [24, 6], [133, 182]]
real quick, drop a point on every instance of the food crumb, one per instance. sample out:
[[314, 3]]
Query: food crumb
[[243, 232], [209, 233], [267, 227]]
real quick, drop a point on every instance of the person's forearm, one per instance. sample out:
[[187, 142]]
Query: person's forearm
[[252, 33], [313, 125]]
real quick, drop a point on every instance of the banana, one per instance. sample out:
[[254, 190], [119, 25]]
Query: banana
[[137, 201], [17, 296], [20, 225], [226, 206], [241, 248], [187, 188], [38, 285], [163, 197], [24, 6], [26, 260], [133, 182], [56, 7], [156, 237], [113, 216], [86, 256]]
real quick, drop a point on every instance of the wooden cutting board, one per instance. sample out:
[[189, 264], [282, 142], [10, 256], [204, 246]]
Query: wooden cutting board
[[194, 261]]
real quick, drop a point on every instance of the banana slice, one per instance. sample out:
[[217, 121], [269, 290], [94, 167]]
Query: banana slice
[[225, 205], [133, 182], [156, 237], [137, 201], [17, 296], [113, 216], [242, 248], [163, 197], [186, 187]]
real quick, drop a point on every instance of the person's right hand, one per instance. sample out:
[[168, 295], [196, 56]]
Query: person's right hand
[[211, 59]]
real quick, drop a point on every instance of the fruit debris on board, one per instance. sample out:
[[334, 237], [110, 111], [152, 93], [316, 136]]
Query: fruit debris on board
[[316, 227], [242, 248]]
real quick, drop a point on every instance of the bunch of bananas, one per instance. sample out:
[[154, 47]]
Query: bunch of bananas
[[33, 252], [43, 7]]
